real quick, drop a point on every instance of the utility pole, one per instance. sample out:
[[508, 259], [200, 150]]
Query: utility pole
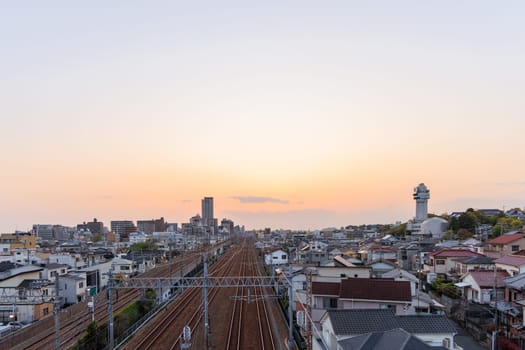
[[57, 314], [110, 308], [290, 310], [308, 318], [205, 301]]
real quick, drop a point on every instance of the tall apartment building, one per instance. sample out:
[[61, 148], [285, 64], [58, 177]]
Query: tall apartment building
[[123, 228], [150, 226], [228, 224], [94, 226], [207, 211]]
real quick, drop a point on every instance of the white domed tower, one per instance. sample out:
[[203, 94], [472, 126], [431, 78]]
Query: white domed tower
[[421, 196]]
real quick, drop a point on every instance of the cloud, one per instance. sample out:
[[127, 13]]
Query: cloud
[[256, 199], [186, 201]]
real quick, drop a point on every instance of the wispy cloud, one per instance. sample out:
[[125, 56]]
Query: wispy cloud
[[186, 201], [257, 199]]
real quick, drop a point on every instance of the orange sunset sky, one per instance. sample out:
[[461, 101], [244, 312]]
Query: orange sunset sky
[[298, 115]]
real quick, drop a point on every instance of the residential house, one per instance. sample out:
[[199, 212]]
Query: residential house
[[394, 339], [338, 325], [23, 292], [379, 268], [513, 264], [361, 293], [52, 270], [74, 260], [19, 240], [506, 244], [123, 266], [375, 252], [478, 285], [324, 274], [334, 252], [466, 264], [444, 261], [72, 288], [408, 256], [313, 253], [421, 301], [24, 256], [276, 257], [511, 310]]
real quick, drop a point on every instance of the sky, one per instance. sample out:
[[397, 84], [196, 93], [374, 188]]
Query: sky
[[291, 114]]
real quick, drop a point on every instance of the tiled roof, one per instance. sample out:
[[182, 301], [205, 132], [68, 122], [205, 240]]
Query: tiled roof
[[454, 253], [375, 289], [362, 321], [325, 288], [517, 282], [512, 260], [477, 260], [506, 239], [395, 339], [485, 278]]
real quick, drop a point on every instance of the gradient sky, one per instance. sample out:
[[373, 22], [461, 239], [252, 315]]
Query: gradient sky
[[291, 114]]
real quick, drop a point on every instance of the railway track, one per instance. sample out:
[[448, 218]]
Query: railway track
[[75, 319], [240, 317]]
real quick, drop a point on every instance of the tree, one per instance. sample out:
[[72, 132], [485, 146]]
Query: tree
[[148, 245], [398, 231], [464, 234], [97, 237]]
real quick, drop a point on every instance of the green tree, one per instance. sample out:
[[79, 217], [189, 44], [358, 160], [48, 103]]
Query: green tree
[[398, 231], [97, 237], [148, 245]]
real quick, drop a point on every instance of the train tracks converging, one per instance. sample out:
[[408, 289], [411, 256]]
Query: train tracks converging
[[240, 317]]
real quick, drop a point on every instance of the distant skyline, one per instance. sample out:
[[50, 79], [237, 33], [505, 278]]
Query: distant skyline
[[295, 115]]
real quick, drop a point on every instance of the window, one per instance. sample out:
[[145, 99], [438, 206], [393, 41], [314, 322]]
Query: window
[[65, 286], [343, 275], [440, 262], [283, 257], [329, 303], [275, 257], [515, 248], [387, 306], [124, 267], [45, 311], [81, 285]]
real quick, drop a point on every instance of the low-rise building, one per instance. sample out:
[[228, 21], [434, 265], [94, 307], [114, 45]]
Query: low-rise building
[[506, 244], [444, 261], [338, 325], [72, 288]]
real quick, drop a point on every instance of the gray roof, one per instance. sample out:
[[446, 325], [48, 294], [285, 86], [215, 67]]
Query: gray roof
[[476, 260], [394, 339], [362, 321], [516, 282]]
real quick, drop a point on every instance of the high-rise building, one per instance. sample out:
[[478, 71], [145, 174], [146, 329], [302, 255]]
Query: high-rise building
[[123, 228], [150, 226], [94, 226], [207, 211]]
